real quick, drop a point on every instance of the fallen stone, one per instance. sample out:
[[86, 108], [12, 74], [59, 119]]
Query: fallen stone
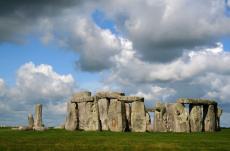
[[209, 118], [116, 116], [196, 119], [138, 119], [196, 101], [103, 106], [71, 123]]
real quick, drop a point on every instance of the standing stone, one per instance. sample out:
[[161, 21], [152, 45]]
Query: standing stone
[[168, 118], [81, 115], [116, 115], [72, 117], [181, 117], [195, 118], [92, 116], [138, 119], [38, 116], [160, 117], [103, 106], [30, 121], [148, 122], [128, 116], [209, 118], [219, 113]]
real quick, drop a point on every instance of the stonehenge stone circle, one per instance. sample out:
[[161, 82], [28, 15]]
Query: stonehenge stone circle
[[113, 111], [30, 121], [38, 116]]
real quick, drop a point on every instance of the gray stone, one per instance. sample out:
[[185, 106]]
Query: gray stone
[[128, 116], [209, 118], [30, 121], [148, 122], [219, 113], [138, 119], [71, 123], [82, 94], [160, 118], [181, 117], [169, 118], [196, 101], [109, 95], [130, 99], [82, 115], [196, 119], [82, 99], [38, 116], [116, 116], [103, 106], [92, 117]]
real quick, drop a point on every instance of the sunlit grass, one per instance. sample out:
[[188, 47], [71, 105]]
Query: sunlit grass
[[56, 140]]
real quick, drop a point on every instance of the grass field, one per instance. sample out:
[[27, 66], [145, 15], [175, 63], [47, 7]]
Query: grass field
[[57, 140]]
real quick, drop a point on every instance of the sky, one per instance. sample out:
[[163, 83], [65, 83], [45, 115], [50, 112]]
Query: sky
[[159, 49]]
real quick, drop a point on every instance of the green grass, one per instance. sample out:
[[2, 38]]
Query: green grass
[[57, 140]]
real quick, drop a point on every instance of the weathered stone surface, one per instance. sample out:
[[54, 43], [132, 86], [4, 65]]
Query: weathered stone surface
[[82, 94], [116, 115], [38, 116], [148, 122], [109, 95], [130, 99], [128, 116], [196, 101], [209, 118], [81, 115], [82, 99], [92, 117], [160, 118], [103, 106], [30, 121], [219, 113], [71, 123], [181, 117], [150, 110], [138, 119], [169, 118], [196, 118]]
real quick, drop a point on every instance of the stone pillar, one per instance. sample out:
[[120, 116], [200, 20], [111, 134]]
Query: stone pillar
[[31, 121], [116, 116], [148, 122], [71, 123], [92, 116], [195, 117], [38, 116], [103, 106], [181, 117], [138, 119], [128, 116], [218, 114], [209, 118], [169, 118], [159, 118]]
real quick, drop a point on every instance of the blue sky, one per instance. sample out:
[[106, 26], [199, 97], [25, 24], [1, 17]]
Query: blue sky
[[151, 49]]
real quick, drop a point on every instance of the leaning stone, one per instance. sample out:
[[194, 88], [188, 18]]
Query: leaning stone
[[196, 101], [128, 116], [38, 116], [72, 117], [195, 118], [30, 120], [92, 117], [138, 119], [116, 116], [181, 117], [148, 122], [103, 106], [219, 113], [209, 118]]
